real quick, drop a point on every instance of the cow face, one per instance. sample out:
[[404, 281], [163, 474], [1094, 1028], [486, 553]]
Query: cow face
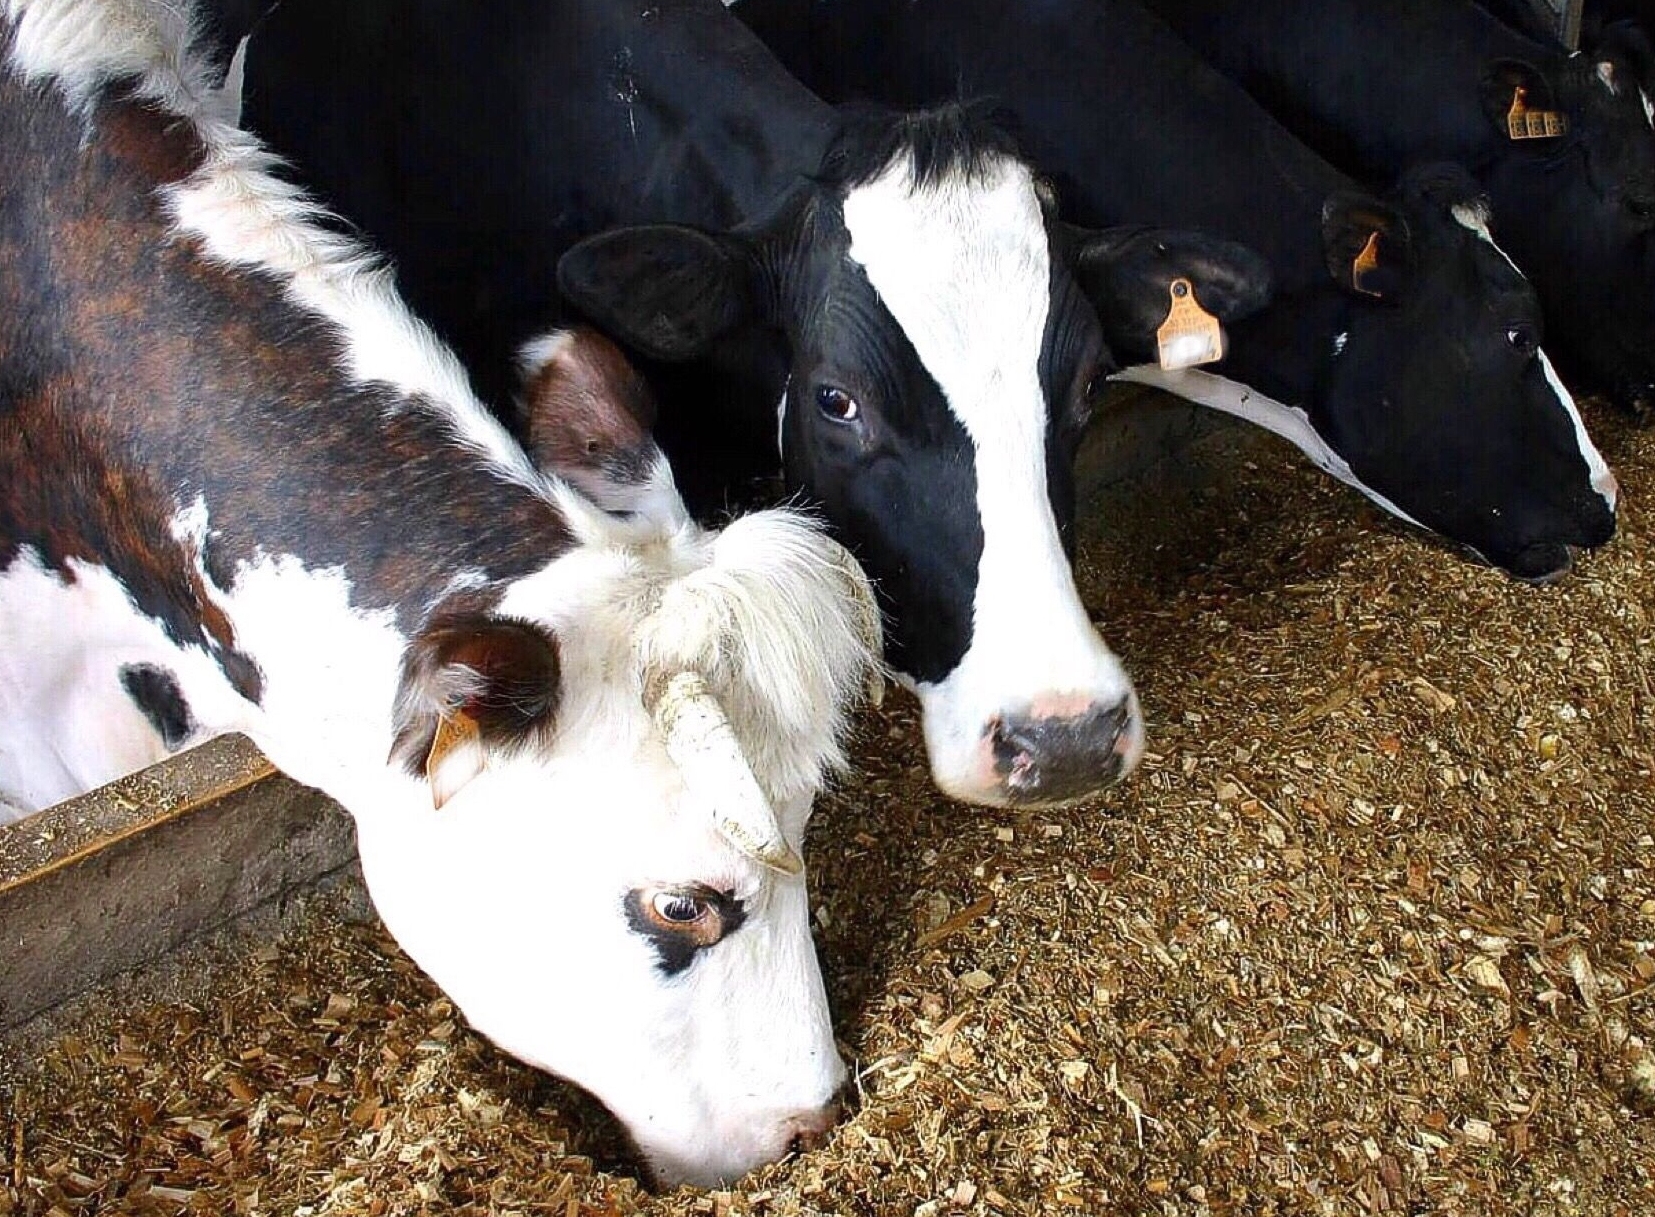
[[939, 363], [1577, 212], [610, 778], [1436, 393]]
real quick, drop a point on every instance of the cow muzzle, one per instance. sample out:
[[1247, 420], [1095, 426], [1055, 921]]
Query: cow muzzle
[[1050, 754]]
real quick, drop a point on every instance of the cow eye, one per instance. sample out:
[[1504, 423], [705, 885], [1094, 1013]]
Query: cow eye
[[837, 404], [682, 919], [680, 909], [1522, 340]]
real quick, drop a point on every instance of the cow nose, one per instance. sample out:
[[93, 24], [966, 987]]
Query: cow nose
[[1045, 759], [807, 1130], [1539, 565]]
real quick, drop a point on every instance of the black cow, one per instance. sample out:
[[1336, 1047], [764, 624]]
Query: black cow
[[1401, 349], [896, 283], [1375, 86], [1596, 17]]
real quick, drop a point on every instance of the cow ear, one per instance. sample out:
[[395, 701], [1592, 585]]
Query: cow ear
[[472, 687], [666, 290], [1627, 43], [1511, 90], [1368, 247], [1128, 272]]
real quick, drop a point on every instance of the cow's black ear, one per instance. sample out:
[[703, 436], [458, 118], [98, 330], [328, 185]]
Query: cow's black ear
[[667, 290], [472, 685], [1368, 247], [1127, 273], [1510, 85], [1628, 43]]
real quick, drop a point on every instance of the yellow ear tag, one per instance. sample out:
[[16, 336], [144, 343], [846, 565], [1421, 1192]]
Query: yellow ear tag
[[1365, 261], [1190, 335], [1524, 123], [455, 758]]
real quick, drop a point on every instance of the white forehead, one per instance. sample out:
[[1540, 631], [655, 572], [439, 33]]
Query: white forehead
[[963, 266], [1474, 216]]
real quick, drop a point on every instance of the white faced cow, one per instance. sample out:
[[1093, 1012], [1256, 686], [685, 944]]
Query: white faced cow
[[241, 488]]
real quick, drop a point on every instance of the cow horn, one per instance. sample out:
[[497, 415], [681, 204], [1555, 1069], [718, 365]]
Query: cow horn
[[703, 746]]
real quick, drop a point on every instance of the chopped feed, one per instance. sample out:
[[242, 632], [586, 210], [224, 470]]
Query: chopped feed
[[1371, 931]]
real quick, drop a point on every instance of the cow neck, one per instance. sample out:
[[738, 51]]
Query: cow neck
[[186, 398]]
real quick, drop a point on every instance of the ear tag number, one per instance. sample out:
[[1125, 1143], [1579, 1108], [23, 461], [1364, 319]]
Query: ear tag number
[[1190, 336], [1524, 123], [1364, 263], [456, 756]]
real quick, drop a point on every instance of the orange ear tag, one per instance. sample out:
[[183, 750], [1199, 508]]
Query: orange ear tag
[[455, 758], [1190, 336], [1524, 123], [1367, 260]]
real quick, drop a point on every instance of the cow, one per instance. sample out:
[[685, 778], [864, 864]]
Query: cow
[[1561, 145], [242, 488], [886, 298], [1401, 350], [1594, 19]]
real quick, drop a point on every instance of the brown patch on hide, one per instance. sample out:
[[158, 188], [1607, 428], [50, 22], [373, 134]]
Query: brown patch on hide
[[136, 375], [102, 514]]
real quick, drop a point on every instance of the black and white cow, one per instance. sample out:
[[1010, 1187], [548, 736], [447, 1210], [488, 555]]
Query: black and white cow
[[888, 296], [241, 488], [1376, 87], [1401, 349]]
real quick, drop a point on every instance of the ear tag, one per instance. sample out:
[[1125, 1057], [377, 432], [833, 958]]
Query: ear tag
[[1190, 336], [455, 758], [1366, 261], [1524, 123]]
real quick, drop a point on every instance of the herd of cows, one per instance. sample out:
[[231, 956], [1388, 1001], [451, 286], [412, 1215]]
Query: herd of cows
[[427, 529]]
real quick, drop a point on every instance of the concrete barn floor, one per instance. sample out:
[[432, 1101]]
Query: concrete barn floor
[[1371, 931]]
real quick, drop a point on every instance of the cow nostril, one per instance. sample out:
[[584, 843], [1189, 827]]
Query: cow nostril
[[1058, 757], [809, 1130]]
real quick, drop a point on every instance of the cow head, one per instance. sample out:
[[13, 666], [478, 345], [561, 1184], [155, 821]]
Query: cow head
[[940, 355], [609, 775], [1436, 395], [1577, 210]]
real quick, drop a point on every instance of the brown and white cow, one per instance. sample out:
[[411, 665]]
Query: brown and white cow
[[242, 488]]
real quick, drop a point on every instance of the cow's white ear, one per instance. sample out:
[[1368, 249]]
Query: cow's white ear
[[665, 289], [472, 686]]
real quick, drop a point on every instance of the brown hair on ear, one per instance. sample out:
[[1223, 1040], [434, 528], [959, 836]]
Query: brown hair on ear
[[499, 674], [584, 404]]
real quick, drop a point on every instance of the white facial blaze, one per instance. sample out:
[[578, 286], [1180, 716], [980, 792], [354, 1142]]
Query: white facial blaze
[[1649, 108], [963, 266], [1603, 481]]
